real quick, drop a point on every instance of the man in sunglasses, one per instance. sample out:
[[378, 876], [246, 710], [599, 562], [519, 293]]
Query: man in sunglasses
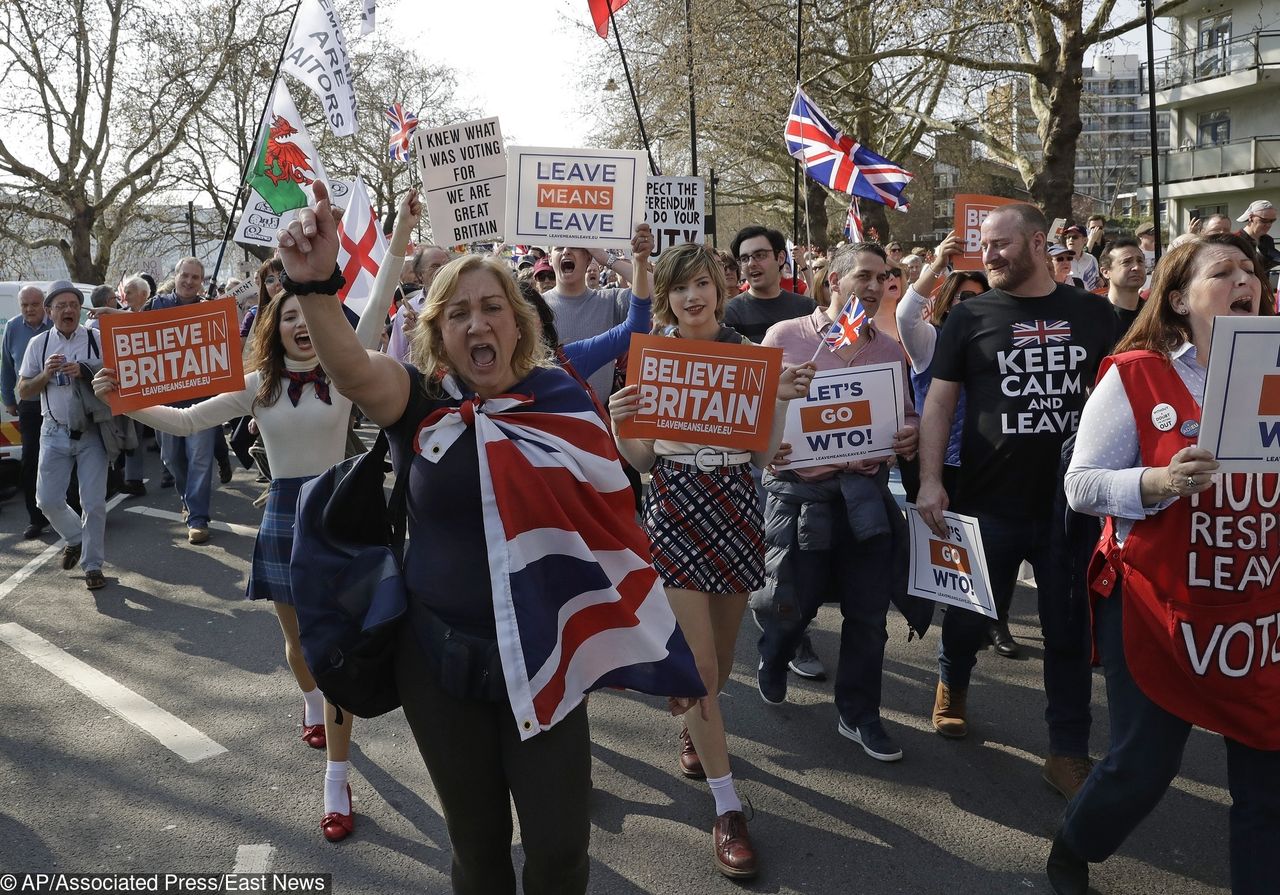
[[762, 255]]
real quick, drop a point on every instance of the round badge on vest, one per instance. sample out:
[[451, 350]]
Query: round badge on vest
[[1190, 428], [1163, 417]]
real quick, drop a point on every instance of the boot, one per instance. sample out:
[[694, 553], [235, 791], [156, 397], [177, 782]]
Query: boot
[[949, 711]]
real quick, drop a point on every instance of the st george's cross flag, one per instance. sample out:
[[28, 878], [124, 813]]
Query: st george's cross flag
[[839, 161], [361, 248], [403, 124], [844, 331], [576, 600]]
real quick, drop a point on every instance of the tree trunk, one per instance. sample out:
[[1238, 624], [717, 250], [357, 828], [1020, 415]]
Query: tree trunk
[[1053, 184], [77, 254], [817, 234], [874, 217]]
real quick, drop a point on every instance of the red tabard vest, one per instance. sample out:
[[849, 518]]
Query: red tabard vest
[[1201, 589]]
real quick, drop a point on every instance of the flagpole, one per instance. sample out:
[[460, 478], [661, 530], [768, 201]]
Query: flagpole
[[795, 165], [253, 152], [635, 102]]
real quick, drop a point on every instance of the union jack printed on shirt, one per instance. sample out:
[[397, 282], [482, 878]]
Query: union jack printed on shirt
[[577, 603], [403, 124], [839, 161], [1040, 332], [853, 222], [844, 331]]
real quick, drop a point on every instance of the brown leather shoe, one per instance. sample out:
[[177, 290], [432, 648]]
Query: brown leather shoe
[[1066, 773], [734, 853], [949, 712], [690, 763]]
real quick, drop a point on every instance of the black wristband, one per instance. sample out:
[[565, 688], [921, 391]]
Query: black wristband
[[315, 287]]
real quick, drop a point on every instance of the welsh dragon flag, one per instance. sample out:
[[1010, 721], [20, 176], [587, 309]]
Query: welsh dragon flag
[[285, 168]]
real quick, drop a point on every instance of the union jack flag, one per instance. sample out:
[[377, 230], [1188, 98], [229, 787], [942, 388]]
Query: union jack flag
[[576, 600], [844, 331], [403, 124], [853, 222], [1040, 332], [839, 161]]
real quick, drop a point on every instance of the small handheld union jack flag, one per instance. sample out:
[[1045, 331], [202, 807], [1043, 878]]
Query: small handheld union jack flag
[[403, 124], [844, 331], [839, 161]]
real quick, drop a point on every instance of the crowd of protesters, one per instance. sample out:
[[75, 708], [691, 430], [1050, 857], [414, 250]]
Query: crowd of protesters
[[728, 529]]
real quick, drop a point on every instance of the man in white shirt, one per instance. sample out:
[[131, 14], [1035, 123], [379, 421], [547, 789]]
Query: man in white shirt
[[426, 264], [54, 362]]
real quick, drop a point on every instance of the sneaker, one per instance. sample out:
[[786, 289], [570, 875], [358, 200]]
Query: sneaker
[[772, 684], [873, 739], [806, 663], [197, 535], [93, 579], [134, 488], [1066, 773], [70, 556], [224, 470]]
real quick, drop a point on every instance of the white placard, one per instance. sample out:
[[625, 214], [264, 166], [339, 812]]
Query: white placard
[[954, 571], [1240, 418], [464, 174], [674, 210], [583, 197], [849, 414]]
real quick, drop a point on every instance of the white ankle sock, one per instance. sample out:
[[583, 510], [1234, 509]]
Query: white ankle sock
[[314, 713], [335, 787], [726, 796]]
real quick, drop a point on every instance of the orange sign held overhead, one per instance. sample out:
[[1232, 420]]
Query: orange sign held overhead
[[173, 354], [703, 392], [971, 210]]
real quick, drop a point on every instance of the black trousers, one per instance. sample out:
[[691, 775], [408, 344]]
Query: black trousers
[[29, 422], [478, 765]]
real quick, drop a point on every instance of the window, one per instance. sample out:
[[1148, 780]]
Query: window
[[1213, 128], [944, 208], [1212, 38], [944, 181]]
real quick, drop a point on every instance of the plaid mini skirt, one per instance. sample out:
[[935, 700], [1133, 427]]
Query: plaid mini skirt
[[705, 528], [269, 574]]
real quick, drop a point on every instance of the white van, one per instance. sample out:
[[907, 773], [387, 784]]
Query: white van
[[10, 440]]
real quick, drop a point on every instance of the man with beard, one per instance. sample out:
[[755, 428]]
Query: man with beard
[[1024, 353]]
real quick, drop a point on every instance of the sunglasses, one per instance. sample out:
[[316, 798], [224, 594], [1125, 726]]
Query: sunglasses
[[1064, 259]]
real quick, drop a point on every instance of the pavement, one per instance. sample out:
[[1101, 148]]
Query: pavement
[[153, 726]]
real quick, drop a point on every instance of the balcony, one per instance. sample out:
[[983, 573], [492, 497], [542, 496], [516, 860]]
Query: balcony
[[1227, 167], [1236, 65]]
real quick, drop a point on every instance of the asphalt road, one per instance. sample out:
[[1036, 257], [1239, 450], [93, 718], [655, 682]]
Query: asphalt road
[[84, 790]]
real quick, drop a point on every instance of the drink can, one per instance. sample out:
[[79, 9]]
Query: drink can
[[61, 379]]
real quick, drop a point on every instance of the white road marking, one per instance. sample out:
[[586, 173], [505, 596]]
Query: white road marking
[[40, 559], [171, 732], [234, 528], [253, 859]]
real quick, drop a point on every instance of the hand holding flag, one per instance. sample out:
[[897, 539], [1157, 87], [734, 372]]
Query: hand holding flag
[[844, 331]]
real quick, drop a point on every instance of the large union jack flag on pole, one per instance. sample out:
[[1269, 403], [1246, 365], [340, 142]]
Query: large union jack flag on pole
[[576, 601], [839, 161], [853, 222], [403, 124]]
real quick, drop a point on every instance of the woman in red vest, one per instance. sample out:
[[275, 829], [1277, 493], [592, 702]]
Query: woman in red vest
[[1185, 597]]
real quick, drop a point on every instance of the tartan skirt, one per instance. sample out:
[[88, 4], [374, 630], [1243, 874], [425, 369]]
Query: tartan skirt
[[705, 528], [269, 574]]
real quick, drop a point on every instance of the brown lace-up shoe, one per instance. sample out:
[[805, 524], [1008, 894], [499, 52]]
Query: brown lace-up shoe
[[949, 712], [1066, 773], [690, 763], [735, 856]]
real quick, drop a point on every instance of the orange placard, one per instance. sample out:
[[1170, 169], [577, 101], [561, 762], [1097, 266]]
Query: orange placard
[[703, 392], [1269, 400], [950, 556], [971, 210], [174, 354]]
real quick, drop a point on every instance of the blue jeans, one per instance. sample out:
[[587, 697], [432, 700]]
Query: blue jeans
[[190, 459], [1145, 756], [1007, 541], [59, 454], [856, 574]]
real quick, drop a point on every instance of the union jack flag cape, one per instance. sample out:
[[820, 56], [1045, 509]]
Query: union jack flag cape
[[844, 331], [839, 161], [403, 124], [577, 602]]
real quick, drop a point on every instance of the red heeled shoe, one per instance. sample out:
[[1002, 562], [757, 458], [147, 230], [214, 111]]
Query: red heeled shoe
[[312, 734], [337, 827]]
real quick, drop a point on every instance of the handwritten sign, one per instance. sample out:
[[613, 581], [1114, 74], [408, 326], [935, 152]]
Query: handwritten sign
[[951, 571], [1240, 418], [464, 174], [848, 415], [971, 210], [703, 392], [173, 354], [584, 197], [673, 209], [244, 294]]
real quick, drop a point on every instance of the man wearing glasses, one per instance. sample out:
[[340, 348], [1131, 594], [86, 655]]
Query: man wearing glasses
[[762, 254], [1257, 220], [52, 367]]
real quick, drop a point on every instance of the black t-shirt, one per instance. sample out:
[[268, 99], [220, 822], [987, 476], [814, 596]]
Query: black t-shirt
[[753, 316], [1025, 364], [1124, 319]]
